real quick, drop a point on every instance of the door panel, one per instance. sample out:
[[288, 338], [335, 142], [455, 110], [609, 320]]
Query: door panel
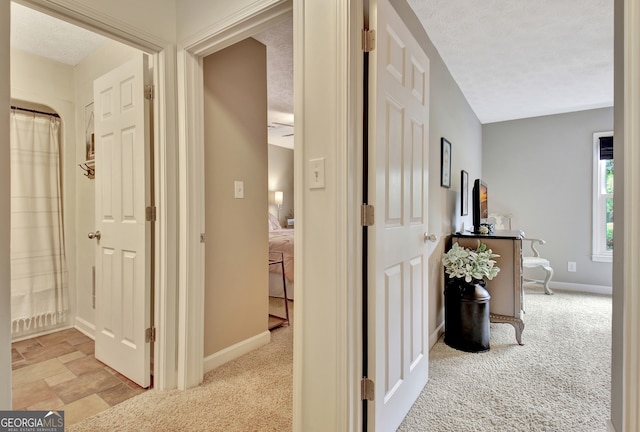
[[122, 192], [399, 157]]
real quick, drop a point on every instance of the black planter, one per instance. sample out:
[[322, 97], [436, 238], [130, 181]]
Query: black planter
[[466, 315]]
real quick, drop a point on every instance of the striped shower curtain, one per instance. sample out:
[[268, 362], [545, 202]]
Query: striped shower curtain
[[38, 267]]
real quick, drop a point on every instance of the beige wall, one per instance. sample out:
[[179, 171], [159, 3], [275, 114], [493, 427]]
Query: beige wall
[[194, 16], [281, 179], [154, 18], [109, 56], [236, 248]]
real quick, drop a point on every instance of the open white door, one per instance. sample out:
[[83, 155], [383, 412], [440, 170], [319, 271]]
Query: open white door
[[398, 292], [122, 194]]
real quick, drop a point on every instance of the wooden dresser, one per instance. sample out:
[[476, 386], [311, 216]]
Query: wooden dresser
[[506, 304]]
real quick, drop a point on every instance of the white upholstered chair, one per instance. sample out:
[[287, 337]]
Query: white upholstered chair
[[503, 221]]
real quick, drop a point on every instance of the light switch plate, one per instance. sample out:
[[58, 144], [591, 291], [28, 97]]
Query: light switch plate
[[238, 189], [316, 173]]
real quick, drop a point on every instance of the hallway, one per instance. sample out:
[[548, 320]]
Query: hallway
[[59, 371]]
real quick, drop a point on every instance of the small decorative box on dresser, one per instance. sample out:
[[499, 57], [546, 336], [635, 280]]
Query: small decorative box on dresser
[[506, 304]]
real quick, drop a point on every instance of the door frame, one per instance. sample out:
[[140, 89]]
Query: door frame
[[165, 165], [192, 180], [324, 398]]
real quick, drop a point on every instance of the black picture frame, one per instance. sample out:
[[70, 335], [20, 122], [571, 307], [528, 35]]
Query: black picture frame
[[464, 195], [445, 163]]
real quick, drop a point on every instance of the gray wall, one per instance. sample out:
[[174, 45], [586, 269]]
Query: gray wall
[[540, 170]]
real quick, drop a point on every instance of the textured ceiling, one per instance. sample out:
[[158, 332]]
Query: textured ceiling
[[279, 42], [524, 58], [48, 37], [511, 58]]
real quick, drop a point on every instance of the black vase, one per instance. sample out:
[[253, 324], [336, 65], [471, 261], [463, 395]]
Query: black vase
[[466, 315]]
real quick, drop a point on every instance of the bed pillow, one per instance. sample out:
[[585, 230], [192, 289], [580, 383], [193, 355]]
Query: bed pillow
[[274, 225]]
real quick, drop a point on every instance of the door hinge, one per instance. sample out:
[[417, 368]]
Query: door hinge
[[367, 389], [149, 92], [368, 40], [150, 334], [150, 214], [367, 215]]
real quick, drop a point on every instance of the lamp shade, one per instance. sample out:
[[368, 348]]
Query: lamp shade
[[278, 198]]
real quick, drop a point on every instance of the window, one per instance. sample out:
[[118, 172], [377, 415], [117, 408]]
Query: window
[[602, 197]]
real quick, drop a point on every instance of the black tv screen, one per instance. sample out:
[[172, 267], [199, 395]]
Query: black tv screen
[[480, 203]]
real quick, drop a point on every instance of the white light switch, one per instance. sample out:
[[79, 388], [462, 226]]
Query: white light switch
[[316, 173], [238, 189]]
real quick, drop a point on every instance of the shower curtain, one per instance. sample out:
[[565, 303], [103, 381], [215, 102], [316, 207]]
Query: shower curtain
[[38, 268]]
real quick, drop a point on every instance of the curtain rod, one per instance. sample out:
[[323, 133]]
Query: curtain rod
[[35, 111]]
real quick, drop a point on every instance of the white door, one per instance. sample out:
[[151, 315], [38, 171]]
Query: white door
[[121, 195], [398, 335]]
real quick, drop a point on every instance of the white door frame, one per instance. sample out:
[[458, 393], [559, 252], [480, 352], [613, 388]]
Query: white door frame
[[629, 260], [192, 192], [165, 165], [319, 404]]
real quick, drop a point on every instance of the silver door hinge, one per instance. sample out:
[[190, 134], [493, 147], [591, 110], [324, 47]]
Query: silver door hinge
[[367, 389], [148, 92], [150, 214], [150, 334], [367, 212], [202, 237], [368, 40]]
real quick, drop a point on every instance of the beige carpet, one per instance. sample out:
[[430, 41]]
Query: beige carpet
[[252, 393], [557, 381]]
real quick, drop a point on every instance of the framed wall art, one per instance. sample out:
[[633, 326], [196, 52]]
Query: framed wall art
[[445, 166]]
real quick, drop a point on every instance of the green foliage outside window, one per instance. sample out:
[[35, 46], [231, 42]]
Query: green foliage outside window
[[609, 208]]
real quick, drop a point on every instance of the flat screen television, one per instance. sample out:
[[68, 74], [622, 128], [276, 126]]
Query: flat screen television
[[480, 204]]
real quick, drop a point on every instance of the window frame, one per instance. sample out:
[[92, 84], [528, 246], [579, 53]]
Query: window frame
[[599, 250]]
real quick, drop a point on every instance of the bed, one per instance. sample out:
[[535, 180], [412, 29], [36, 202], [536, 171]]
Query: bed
[[280, 244]]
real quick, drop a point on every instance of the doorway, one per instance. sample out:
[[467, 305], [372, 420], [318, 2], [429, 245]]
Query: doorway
[[68, 88]]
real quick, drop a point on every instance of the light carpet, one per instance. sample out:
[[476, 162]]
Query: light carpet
[[251, 393], [558, 381]]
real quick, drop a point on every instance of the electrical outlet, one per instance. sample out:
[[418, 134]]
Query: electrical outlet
[[571, 266]]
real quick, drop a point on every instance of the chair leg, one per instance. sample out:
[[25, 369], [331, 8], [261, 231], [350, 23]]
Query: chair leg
[[549, 271]]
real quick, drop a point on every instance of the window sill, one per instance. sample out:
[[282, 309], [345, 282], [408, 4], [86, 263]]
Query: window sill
[[602, 258]]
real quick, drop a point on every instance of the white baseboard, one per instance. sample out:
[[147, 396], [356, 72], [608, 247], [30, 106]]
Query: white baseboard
[[591, 289], [233, 352], [433, 337], [85, 327]]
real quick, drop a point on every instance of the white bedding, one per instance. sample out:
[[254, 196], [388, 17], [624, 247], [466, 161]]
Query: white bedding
[[275, 286], [281, 242]]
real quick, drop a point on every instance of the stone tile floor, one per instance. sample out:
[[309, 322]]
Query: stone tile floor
[[59, 372]]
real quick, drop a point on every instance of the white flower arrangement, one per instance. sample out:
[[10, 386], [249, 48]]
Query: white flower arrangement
[[460, 262]]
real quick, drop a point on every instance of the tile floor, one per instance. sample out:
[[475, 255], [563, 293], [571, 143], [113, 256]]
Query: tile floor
[[58, 371]]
